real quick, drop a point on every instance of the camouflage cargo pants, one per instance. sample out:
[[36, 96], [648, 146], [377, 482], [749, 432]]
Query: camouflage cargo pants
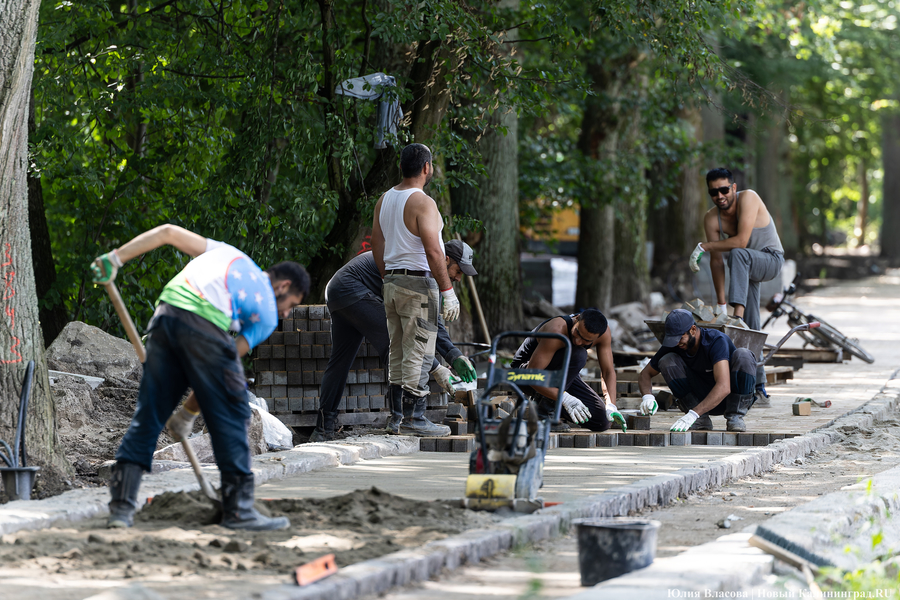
[[411, 305]]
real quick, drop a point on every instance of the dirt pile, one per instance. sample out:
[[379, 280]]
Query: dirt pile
[[169, 539]]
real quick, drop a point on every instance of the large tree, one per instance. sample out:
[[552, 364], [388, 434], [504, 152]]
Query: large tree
[[20, 332]]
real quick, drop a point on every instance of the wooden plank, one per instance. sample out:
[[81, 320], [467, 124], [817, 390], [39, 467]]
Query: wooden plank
[[812, 355], [776, 375]]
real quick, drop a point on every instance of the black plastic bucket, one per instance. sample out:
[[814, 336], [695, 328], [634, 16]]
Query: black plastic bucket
[[18, 481], [608, 548]]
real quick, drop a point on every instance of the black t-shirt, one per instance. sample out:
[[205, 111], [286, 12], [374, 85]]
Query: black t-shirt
[[353, 282], [714, 347]]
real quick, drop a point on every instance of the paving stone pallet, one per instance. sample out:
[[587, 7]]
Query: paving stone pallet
[[612, 439], [377, 576], [289, 366]]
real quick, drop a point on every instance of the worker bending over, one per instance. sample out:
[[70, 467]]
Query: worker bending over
[[190, 346]]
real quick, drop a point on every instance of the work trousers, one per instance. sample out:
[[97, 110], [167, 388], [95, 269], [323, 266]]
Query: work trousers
[[178, 357], [411, 306], [748, 268], [683, 380]]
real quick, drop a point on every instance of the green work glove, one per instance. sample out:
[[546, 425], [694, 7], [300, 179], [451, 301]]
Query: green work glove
[[105, 267], [613, 414], [463, 367]]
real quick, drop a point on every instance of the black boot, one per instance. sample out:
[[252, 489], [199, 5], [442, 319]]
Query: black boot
[[395, 403], [324, 431], [123, 487], [414, 420], [237, 506], [736, 407]]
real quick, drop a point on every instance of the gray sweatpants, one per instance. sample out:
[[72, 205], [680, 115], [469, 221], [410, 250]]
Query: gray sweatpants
[[748, 268]]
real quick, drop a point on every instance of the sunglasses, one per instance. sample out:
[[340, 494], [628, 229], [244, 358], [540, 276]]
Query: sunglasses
[[713, 192]]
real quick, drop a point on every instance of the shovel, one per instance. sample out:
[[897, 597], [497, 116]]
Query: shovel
[[135, 340]]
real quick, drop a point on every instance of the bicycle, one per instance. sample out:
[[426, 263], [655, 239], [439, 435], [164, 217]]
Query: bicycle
[[824, 336]]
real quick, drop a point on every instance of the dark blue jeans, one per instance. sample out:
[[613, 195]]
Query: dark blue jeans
[[683, 380], [179, 357]]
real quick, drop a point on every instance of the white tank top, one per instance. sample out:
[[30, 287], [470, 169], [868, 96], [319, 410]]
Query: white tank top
[[402, 249]]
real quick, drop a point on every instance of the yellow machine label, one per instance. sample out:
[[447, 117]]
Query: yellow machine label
[[491, 487], [525, 377]]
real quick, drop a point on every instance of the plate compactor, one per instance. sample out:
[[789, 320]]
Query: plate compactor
[[506, 469]]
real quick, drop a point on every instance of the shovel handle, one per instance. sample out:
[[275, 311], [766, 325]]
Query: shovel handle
[[130, 329]]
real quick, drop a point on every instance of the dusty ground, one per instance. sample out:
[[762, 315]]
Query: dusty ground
[[169, 552], [550, 569]]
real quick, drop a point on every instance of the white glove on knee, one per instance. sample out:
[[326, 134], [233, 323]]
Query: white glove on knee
[[648, 405], [685, 422], [180, 424], [696, 257], [578, 412]]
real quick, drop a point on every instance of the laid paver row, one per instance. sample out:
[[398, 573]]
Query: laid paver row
[[401, 568]]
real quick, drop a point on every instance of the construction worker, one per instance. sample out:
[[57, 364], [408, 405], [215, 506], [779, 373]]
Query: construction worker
[[355, 301], [739, 224], [583, 405], [189, 345], [706, 373], [409, 253]]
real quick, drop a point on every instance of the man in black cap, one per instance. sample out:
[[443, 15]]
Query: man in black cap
[[356, 304], [702, 368], [582, 404]]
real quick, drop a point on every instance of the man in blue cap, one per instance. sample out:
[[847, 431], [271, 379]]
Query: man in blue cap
[[705, 372]]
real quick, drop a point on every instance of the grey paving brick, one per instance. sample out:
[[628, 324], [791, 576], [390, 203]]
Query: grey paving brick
[[308, 377], [295, 391], [462, 445], [310, 392], [314, 325], [286, 325], [681, 438], [729, 439], [307, 338], [745, 439], [427, 445], [607, 439], [319, 376], [280, 378], [295, 404], [318, 352], [626, 439], [306, 352], [659, 440], [292, 351], [261, 365], [362, 377], [377, 376], [263, 351], [281, 404], [321, 364], [443, 445], [276, 339], [279, 391], [566, 440], [316, 311], [714, 438], [277, 351], [277, 365], [373, 389], [351, 377], [585, 440], [323, 337], [300, 312], [698, 438], [266, 378], [264, 391], [760, 439], [376, 402], [641, 439], [301, 325], [292, 338]]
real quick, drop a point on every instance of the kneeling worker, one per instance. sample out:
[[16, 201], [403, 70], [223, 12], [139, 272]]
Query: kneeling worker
[[583, 405], [705, 372], [189, 345]]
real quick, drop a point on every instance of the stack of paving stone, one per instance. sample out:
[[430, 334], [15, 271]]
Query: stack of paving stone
[[289, 366]]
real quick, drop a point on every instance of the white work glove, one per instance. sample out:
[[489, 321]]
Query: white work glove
[[444, 378], [696, 257], [180, 424], [450, 305], [648, 404], [578, 412], [614, 416], [685, 422], [721, 309]]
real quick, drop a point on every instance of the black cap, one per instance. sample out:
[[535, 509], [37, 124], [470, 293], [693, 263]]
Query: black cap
[[462, 254], [678, 323]]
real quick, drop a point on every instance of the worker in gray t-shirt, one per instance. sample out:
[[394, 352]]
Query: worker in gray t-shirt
[[356, 304]]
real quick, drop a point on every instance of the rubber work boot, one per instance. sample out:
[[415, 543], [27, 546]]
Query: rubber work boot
[[123, 487], [690, 402], [704, 423], [324, 431], [762, 398], [237, 506], [736, 407], [395, 403], [414, 420]]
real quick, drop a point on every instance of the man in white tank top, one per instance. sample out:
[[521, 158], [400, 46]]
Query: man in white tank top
[[409, 253], [740, 225]]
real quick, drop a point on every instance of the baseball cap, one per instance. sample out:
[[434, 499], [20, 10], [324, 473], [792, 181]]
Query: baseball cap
[[462, 254], [678, 323]]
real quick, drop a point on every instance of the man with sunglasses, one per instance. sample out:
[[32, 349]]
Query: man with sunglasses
[[583, 405], [740, 225]]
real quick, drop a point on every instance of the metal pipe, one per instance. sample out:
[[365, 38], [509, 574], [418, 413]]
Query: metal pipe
[[804, 327], [23, 408]]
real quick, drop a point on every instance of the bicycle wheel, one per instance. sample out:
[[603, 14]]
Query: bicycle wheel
[[832, 335]]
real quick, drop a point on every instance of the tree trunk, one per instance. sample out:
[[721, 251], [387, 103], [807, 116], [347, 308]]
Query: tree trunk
[[20, 333], [890, 209], [54, 317], [863, 208], [774, 181]]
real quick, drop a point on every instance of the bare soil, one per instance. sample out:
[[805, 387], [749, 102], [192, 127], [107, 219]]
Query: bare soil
[[171, 551]]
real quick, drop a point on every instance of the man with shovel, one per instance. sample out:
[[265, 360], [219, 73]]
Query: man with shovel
[[189, 346]]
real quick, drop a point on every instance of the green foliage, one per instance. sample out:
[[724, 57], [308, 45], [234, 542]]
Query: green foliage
[[222, 118]]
